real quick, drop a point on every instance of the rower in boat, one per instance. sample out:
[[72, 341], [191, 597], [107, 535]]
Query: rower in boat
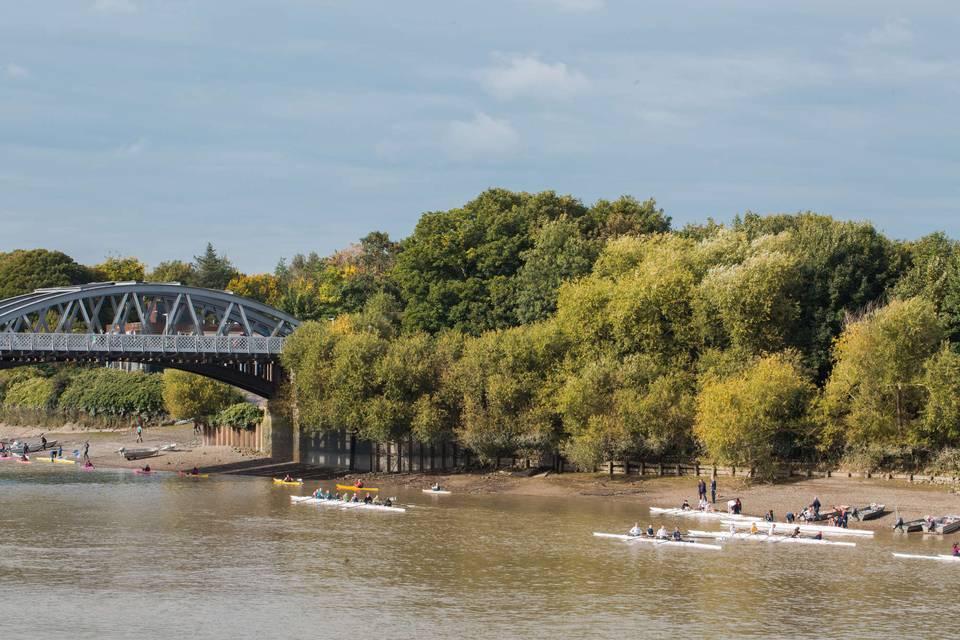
[[288, 478], [635, 530], [662, 533], [753, 528], [436, 487], [685, 506], [818, 536], [676, 534], [88, 465], [146, 469], [195, 471], [773, 529], [388, 502], [768, 516], [367, 499], [358, 484], [796, 532], [650, 531], [956, 550]]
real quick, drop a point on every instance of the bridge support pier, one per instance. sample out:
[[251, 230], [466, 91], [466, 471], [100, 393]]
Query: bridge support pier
[[282, 439]]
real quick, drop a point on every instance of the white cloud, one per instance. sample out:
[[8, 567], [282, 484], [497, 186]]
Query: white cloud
[[893, 33], [17, 71], [481, 137], [579, 6], [131, 150], [528, 75], [117, 6]]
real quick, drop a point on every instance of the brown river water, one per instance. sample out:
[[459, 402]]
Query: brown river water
[[108, 554]]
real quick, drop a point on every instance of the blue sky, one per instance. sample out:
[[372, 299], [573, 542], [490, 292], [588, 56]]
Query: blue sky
[[148, 127]]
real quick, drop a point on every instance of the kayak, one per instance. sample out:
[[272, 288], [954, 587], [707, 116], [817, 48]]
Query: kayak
[[696, 513], [660, 542], [438, 492], [184, 474], [56, 460], [86, 468], [785, 527], [22, 461], [360, 506], [144, 472], [290, 483], [763, 537], [348, 487], [941, 558]]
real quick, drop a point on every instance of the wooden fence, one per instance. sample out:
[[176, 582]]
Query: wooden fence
[[255, 439]]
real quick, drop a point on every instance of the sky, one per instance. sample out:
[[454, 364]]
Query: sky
[[275, 127]]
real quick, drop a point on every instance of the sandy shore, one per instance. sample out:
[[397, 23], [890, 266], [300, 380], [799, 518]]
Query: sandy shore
[[912, 500], [104, 446]]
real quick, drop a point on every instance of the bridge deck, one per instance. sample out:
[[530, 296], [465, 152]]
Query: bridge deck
[[122, 344]]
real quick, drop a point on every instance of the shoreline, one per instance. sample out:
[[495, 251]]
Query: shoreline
[[911, 500]]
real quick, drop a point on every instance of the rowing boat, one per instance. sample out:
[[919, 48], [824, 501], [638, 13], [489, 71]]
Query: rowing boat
[[138, 454], [786, 527], [660, 542], [438, 492], [184, 474], [143, 472], [942, 526], [870, 511], [361, 506], [289, 483], [763, 537], [348, 487], [913, 556], [696, 513]]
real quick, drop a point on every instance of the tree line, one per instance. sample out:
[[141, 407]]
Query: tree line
[[527, 323]]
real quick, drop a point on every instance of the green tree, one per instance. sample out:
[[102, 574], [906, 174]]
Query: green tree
[[262, 287], [187, 395], [212, 270], [748, 418], [119, 269], [173, 271], [875, 393], [941, 413], [241, 415], [23, 271]]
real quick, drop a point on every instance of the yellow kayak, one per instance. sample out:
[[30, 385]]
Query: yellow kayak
[[287, 482], [37, 458], [350, 487], [184, 474]]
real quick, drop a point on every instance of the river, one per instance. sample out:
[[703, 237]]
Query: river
[[108, 554]]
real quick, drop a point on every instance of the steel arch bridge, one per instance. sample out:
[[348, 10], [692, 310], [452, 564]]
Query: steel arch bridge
[[212, 333]]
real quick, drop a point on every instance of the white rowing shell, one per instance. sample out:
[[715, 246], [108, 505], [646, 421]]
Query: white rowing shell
[[696, 513], [941, 558], [441, 492], [345, 505], [657, 541], [763, 537], [786, 527]]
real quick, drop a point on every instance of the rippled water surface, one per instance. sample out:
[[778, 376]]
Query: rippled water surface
[[112, 555]]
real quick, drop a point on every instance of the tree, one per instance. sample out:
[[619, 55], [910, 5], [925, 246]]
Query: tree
[[875, 392], [747, 418], [941, 413], [118, 269], [212, 271], [242, 415], [173, 271], [627, 216], [187, 395], [23, 271], [261, 287]]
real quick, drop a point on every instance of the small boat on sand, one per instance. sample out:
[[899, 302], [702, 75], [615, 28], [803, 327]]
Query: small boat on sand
[[910, 526], [942, 526], [869, 512], [138, 454], [35, 446], [659, 542]]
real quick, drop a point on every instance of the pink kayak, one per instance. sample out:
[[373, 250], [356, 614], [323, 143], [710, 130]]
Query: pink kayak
[[86, 468], [22, 461], [142, 472]]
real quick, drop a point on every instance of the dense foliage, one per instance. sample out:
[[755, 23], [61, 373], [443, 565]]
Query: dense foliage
[[533, 323], [241, 415]]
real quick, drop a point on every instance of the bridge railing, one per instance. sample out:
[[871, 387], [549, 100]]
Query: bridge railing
[[140, 343]]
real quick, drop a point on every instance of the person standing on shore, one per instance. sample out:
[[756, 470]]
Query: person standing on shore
[[139, 430], [86, 451], [713, 488], [701, 489]]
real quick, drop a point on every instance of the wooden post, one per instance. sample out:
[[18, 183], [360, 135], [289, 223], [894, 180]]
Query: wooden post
[[376, 456], [733, 471], [661, 469], [643, 467], [433, 458], [443, 455], [679, 469], [421, 457], [611, 468], [696, 468], [353, 452], [389, 446], [626, 467], [410, 453]]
